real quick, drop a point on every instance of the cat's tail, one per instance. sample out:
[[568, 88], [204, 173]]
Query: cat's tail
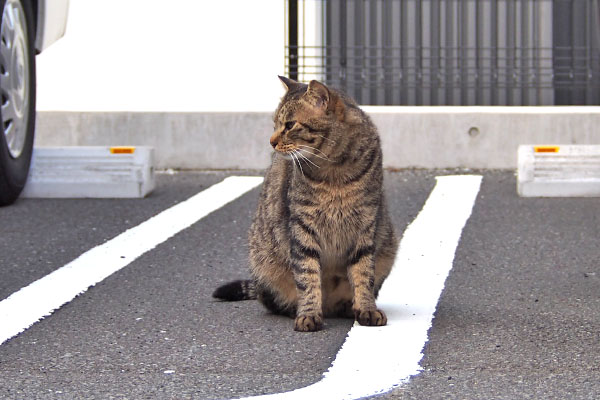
[[236, 291]]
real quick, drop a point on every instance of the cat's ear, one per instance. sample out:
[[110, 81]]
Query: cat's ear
[[318, 95], [288, 83]]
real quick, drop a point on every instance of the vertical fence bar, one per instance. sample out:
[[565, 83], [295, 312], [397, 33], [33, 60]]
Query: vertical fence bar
[[463, 24], [286, 38], [434, 52], [302, 41], [595, 46], [333, 41], [535, 53], [419, 52], [403, 18], [293, 38], [396, 69], [580, 45], [343, 46], [572, 45], [373, 53], [560, 42], [494, 52], [366, 61], [510, 50], [588, 44], [478, 51], [359, 51], [524, 59], [324, 22], [387, 31], [449, 85], [328, 41]]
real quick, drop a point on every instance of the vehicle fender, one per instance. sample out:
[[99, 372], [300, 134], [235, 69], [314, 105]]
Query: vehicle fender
[[51, 22]]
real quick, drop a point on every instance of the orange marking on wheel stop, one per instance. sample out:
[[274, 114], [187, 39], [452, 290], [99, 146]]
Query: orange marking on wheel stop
[[122, 150], [546, 149]]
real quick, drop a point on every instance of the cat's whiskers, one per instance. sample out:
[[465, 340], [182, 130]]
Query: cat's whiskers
[[323, 157], [313, 148], [296, 160], [299, 153], [326, 138]]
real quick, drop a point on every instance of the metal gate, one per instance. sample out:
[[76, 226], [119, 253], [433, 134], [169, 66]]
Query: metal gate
[[449, 52]]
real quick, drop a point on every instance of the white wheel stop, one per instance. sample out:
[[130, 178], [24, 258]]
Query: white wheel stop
[[558, 171], [90, 172]]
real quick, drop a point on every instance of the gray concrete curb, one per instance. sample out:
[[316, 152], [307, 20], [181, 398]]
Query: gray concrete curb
[[421, 137]]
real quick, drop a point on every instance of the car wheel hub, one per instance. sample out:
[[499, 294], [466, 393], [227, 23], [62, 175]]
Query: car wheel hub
[[14, 76]]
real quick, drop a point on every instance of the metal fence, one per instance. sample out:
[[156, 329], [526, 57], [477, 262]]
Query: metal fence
[[449, 52]]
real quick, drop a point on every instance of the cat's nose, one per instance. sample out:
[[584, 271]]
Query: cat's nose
[[274, 139]]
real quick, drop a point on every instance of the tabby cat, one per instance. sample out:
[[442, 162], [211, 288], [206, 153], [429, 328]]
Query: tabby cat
[[321, 243]]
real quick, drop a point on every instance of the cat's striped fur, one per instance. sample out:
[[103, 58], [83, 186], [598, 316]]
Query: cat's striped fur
[[321, 243]]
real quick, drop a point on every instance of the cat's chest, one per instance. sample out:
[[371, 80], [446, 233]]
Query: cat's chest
[[332, 208], [337, 217]]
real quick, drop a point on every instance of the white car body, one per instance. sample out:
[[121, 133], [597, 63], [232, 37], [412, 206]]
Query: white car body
[[51, 22]]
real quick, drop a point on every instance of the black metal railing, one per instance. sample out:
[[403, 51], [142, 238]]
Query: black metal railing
[[449, 52]]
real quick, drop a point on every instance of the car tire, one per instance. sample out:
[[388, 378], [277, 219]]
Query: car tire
[[17, 96]]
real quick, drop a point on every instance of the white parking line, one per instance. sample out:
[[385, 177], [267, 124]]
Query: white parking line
[[374, 360], [39, 299]]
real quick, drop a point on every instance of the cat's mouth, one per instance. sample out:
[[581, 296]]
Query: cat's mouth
[[288, 152], [286, 149]]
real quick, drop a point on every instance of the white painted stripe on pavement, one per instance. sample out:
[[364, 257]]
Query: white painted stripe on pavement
[[374, 360], [30, 304]]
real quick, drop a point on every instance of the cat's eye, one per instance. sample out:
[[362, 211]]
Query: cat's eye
[[289, 125]]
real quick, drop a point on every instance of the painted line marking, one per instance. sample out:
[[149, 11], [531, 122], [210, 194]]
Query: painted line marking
[[374, 360], [39, 299]]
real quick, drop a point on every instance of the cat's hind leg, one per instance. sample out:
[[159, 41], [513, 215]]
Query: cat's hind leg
[[275, 304]]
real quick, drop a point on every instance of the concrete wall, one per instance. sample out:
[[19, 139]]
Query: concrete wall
[[426, 137]]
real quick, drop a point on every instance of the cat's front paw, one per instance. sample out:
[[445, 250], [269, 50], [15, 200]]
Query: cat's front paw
[[370, 317], [308, 323]]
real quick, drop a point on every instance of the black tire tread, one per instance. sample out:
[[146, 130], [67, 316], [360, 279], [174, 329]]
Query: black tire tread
[[13, 172]]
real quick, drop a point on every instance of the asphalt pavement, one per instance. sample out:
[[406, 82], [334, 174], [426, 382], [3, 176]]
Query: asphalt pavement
[[519, 316]]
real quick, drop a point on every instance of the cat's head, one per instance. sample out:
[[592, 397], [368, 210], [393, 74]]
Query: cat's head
[[304, 119]]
